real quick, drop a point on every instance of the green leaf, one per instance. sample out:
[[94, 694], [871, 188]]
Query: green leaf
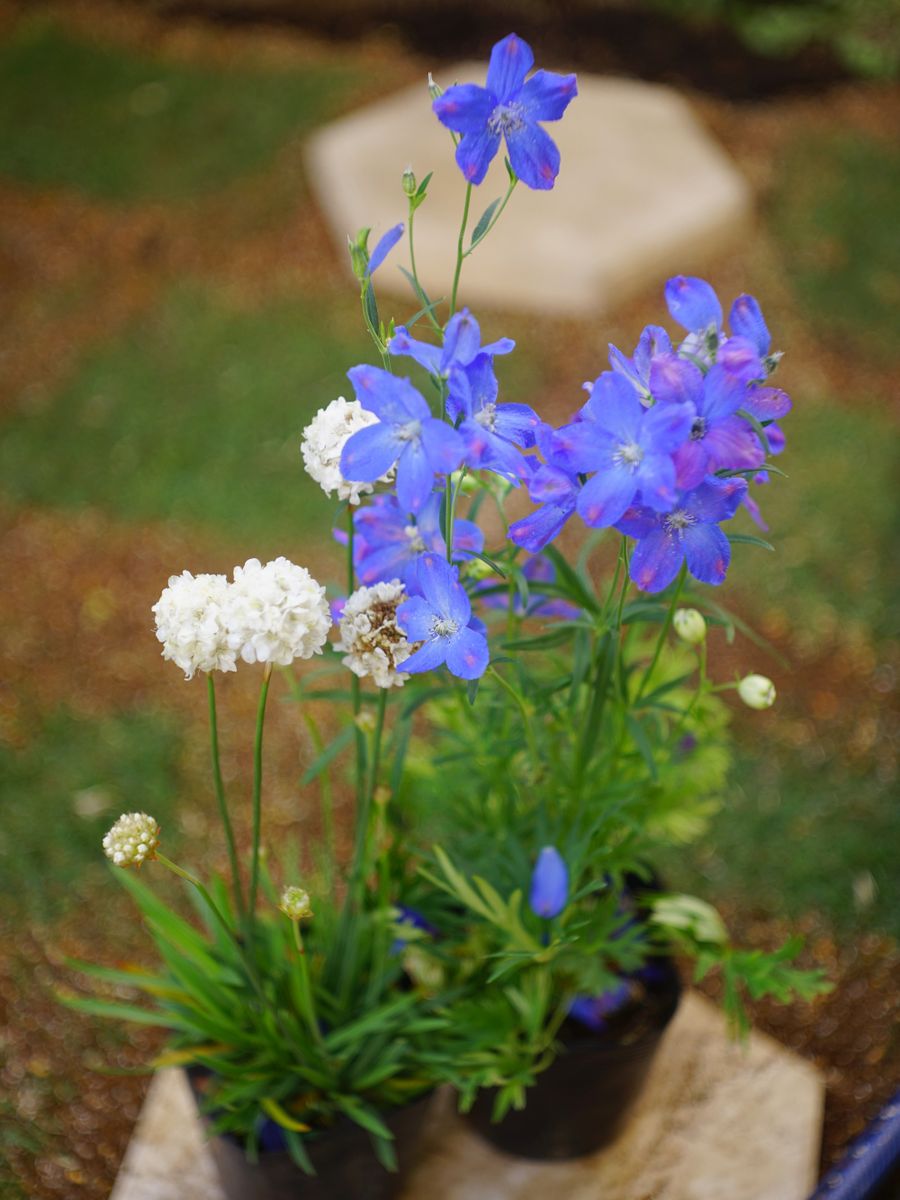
[[472, 689], [280, 1117], [423, 187], [577, 589], [121, 1012], [643, 744], [331, 751], [749, 539], [483, 222]]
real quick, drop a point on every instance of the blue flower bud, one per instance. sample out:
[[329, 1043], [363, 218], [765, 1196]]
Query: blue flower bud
[[549, 884]]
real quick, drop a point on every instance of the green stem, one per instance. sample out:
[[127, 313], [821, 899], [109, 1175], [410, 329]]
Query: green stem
[[459, 248], [257, 792], [495, 218], [701, 688], [420, 291], [309, 1005], [220, 797], [667, 624], [523, 708], [326, 796]]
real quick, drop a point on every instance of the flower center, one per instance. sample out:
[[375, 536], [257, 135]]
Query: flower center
[[698, 429], [629, 454], [416, 544], [487, 417], [443, 627], [506, 118], [410, 432], [678, 520]]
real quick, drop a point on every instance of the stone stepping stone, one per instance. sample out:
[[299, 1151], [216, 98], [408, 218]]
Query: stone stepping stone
[[715, 1119], [644, 192]]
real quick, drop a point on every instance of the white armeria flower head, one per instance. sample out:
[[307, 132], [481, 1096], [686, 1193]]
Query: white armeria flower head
[[132, 840], [276, 613], [323, 441], [371, 640], [191, 623], [295, 903]]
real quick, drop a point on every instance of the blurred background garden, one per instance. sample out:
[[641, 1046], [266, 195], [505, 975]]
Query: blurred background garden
[[173, 313]]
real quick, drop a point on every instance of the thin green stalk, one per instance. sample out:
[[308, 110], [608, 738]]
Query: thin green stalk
[[523, 708], [495, 218], [257, 791], [220, 797], [309, 1005], [701, 688], [460, 256], [326, 797], [667, 624], [364, 816]]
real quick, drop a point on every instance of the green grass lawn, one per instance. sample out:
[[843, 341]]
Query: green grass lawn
[[835, 215], [121, 126]]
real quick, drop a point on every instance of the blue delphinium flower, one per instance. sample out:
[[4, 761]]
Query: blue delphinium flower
[[510, 107], [406, 434], [554, 486], [595, 1011], [717, 437], [694, 304], [387, 540], [689, 532], [440, 617], [461, 345], [494, 434], [653, 342], [549, 884], [630, 448]]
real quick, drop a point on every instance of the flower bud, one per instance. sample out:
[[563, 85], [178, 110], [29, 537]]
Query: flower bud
[[477, 568], [295, 903], [434, 89], [757, 691], [365, 721], [359, 254], [689, 625], [409, 182], [132, 840], [549, 884]]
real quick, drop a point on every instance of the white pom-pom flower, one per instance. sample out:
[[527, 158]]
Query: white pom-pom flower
[[295, 903], [373, 644], [192, 623], [324, 440], [132, 840], [276, 613]]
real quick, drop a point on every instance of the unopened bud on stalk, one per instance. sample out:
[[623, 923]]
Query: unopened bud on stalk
[[757, 691], [690, 625], [434, 89], [295, 904], [132, 840], [409, 182], [359, 254], [477, 568], [365, 721]]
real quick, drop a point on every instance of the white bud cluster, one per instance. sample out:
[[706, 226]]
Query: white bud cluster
[[371, 640], [295, 903], [132, 840], [270, 614], [323, 442]]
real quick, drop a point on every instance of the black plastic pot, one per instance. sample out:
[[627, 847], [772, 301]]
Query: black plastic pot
[[578, 1104], [343, 1156]]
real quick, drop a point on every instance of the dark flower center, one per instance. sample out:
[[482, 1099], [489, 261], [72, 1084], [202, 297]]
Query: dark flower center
[[698, 429], [506, 118]]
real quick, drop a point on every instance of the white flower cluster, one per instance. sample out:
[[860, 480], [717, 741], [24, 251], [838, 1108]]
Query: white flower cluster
[[132, 840], [278, 612], [373, 643], [295, 903], [324, 440], [192, 623], [269, 614]]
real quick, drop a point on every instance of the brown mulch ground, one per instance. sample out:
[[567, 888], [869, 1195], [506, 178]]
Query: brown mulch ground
[[89, 644]]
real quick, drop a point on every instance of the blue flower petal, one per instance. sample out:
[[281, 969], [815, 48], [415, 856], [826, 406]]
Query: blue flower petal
[[534, 156], [691, 461], [665, 426], [550, 485], [747, 321], [546, 95], [693, 303], [615, 408], [370, 453], [415, 477], [539, 528], [439, 584], [427, 658], [656, 480], [442, 445], [384, 247], [415, 617], [655, 561], [716, 499], [767, 403], [511, 60], [462, 339], [605, 497], [723, 394], [392, 399], [549, 884], [465, 107], [424, 353], [638, 522], [653, 340], [708, 552], [517, 423], [468, 654], [675, 380], [732, 444], [475, 153], [739, 357]]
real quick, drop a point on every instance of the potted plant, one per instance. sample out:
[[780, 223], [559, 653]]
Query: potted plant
[[526, 729]]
